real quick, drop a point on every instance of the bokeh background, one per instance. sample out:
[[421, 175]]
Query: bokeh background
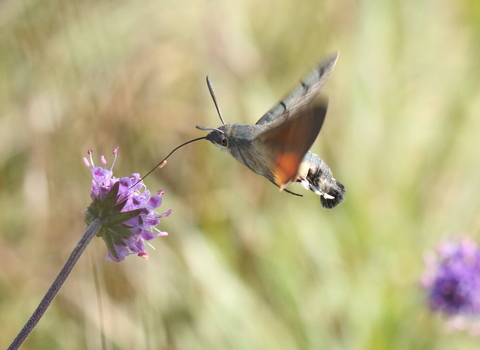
[[244, 266]]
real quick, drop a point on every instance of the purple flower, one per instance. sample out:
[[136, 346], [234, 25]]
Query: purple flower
[[127, 211], [452, 278]]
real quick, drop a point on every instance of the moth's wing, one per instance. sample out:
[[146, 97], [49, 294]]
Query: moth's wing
[[303, 94], [286, 141]]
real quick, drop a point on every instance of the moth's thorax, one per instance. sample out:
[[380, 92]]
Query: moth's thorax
[[243, 147], [243, 132]]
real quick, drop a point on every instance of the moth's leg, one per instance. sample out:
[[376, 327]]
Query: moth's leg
[[295, 194], [290, 192]]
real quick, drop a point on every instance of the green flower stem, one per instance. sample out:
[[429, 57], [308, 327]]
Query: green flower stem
[[90, 232]]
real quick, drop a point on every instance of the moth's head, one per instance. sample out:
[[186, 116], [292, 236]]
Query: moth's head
[[218, 136]]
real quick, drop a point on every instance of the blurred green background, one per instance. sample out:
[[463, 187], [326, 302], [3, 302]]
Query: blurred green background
[[244, 266]]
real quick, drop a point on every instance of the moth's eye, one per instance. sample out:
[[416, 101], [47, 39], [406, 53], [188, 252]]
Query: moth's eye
[[224, 142]]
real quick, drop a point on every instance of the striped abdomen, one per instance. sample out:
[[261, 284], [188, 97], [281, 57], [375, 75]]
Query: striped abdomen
[[315, 175]]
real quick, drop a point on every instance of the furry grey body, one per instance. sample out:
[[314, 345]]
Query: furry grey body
[[313, 173]]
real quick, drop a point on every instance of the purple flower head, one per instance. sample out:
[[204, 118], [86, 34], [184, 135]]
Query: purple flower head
[[452, 278], [127, 211]]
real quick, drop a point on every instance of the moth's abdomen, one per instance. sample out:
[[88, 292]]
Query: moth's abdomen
[[315, 175]]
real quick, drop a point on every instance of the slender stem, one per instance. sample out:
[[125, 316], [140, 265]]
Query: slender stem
[[90, 232]]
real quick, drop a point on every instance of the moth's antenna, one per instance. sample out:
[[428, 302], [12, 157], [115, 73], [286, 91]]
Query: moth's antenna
[[209, 128], [164, 161], [214, 98]]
